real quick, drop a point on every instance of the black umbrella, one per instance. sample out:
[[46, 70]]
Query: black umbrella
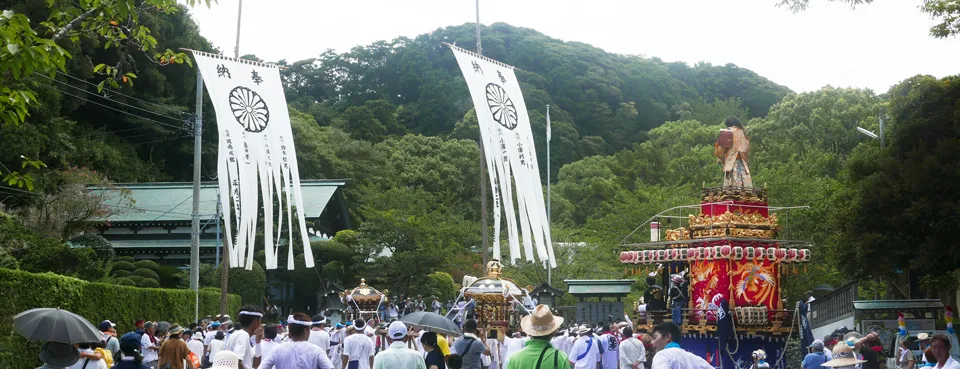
[[432, 322], [55, 325]]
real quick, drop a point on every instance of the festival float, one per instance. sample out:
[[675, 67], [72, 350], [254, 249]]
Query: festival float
[[722, 270], [365, 301], [495, 301]]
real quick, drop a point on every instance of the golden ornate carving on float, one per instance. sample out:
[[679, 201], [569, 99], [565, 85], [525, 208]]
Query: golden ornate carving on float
[[366, 298], [738, 220], [678, 234], [740, 194], [493, 295]]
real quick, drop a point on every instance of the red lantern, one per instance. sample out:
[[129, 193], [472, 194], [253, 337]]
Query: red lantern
[[725, 251]]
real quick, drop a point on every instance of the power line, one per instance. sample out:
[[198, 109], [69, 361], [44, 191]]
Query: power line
[[107, 98], [161, 140], [117, 110], [122, 94]]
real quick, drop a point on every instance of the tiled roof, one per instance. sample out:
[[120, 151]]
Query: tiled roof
[[173, 201]]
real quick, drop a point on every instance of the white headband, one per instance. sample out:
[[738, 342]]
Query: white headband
[[291, 320], [253, 313]]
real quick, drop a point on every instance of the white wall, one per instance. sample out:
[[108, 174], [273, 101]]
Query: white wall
[[820, 332]]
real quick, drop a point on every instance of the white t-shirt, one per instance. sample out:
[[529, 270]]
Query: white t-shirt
[[677, 358], [266, 346], [215, 347], [149, 354], [320, 338], [92, 364], [610, 347], [296, 355], [588, 345], [950, 364], [196, 347], [631, 351], [358, 347], [241, 345]]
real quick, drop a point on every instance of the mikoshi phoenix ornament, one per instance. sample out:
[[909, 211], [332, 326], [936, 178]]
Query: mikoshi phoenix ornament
[[510, 155], [256, 160]]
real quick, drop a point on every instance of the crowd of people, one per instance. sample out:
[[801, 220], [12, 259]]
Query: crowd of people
[[304, 342], [848, 350]]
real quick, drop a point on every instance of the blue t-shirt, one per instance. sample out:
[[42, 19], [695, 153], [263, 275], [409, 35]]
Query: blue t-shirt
[[435, 358], [470, 354], [814, 360]]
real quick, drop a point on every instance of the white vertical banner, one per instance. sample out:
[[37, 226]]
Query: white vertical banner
[[505, 131], [256, 160]]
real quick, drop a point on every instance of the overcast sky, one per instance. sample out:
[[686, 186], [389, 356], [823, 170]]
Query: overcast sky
[[874, 46]]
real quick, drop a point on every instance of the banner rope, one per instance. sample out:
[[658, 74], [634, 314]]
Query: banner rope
[[475, 55], [241, 61]]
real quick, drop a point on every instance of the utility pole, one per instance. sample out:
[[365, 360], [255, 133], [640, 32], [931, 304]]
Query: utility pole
[[483, 171], [195, 226], [882, 141]]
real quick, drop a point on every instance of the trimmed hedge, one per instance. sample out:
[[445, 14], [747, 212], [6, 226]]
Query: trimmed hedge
[[94, 301], [147, 264], [147, 273]]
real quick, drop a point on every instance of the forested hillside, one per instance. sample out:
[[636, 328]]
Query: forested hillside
[[631, 135]]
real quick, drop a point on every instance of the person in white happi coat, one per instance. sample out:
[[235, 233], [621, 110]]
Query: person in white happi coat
[[666, 338], [585, 353], [298, 353]]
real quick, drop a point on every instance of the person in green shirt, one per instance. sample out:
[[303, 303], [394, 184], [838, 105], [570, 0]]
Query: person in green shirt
[[538, 353]]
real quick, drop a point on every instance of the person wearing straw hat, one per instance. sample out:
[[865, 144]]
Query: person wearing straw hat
[[843, 357], [923, 343], [584, 354], [298, 352], [225, 359], [173, 351], [539, 353]]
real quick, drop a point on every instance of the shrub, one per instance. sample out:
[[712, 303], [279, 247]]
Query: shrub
[[136, 279], [123, 258], [149, 283], [123, 265], [249, 284], [147, 264], [147, 274], [121, 273], [97, 243], [124, 282], [93, 301]]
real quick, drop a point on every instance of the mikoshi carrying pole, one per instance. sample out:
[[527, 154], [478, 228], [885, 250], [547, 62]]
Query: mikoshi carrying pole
[[510, 153]]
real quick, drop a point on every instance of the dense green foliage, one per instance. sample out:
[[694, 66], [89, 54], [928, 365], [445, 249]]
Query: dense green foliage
[[897, 206], [945, 12], [631, 136], [95, 302]]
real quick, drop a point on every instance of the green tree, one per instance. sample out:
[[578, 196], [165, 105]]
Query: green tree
[[251, 285], [945, 12], [893, 211]]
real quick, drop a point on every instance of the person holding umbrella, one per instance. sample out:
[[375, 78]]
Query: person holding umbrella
[[58, 355]]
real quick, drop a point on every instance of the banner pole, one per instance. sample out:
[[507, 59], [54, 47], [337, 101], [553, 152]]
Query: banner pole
[[483, 172], [195, 226], [549, 220]]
